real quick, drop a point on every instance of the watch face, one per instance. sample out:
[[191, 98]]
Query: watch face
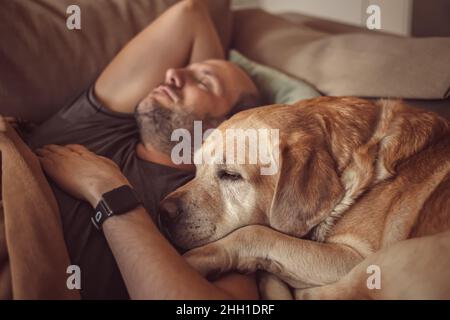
[[121, 200]]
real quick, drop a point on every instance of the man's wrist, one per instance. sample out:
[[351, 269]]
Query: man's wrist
[[134, 215], [118, 201], [95, 194]]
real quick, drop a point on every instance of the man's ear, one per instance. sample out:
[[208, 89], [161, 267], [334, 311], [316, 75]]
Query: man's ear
[[306, 192]]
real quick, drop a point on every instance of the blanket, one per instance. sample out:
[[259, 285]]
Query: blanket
[[33, 255]]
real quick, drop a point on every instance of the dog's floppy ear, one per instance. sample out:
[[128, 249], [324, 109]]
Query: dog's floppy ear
[[307, 189]]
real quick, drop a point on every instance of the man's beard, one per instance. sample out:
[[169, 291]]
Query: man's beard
[[156, 124]]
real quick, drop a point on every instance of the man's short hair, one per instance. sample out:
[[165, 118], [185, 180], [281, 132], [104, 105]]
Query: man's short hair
[[247, 100]]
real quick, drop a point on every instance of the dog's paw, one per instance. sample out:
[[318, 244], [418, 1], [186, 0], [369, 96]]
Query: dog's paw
[[210, 260]]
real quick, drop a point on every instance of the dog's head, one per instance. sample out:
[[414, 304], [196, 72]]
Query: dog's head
[[327, 152], [293, 197]]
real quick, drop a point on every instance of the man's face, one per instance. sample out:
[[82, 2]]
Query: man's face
[[204, 91]]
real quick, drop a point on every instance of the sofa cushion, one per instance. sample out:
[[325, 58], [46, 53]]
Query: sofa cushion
[[274, 86], [366, 65], [45, 66]]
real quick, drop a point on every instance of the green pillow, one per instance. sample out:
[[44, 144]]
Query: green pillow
[[275, 86]]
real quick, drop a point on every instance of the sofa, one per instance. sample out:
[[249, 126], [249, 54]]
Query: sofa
[[44, 66]]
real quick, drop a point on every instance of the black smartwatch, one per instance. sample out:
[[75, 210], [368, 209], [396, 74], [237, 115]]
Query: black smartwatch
[[115, 202]]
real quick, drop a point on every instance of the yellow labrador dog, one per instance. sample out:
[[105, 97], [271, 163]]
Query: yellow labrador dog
[[417, 268], [353, 177]]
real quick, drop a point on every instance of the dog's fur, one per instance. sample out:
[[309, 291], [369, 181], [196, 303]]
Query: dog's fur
[[354, 177]]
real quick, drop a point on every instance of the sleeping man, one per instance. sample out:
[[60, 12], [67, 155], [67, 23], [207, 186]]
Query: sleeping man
[[169, 75]]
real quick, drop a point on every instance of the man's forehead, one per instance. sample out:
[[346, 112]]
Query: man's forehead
[[207, 65]]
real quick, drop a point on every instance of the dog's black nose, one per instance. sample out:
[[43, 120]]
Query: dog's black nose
[[170, 211]]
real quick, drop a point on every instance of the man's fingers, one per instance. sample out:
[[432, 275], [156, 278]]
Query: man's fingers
[[44, 153], [10, 119], [45, 161], [47, 164], [4, 121], [48, 154], [60, 150], [78, 148]]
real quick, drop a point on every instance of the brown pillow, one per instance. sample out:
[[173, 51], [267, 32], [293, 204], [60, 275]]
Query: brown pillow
[[44, 66]]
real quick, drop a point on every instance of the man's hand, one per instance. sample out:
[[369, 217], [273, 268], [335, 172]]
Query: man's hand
[[17, 123], [133, 238], [12, 121], [79, 172]]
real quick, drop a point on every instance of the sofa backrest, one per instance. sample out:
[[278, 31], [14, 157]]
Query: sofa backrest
[[44, 65], [340, 61]]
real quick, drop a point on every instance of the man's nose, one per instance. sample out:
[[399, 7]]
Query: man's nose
[[174, 77], [170, 211]]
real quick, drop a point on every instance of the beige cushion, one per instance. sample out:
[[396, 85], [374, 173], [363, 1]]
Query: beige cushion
[[45, 66], [324, 25], [366, 65]]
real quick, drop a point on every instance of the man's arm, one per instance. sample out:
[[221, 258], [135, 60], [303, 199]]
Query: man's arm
[[153, 269], [181, 35], [150, 266]]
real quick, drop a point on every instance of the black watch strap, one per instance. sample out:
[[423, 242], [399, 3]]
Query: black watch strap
[[115, 202]]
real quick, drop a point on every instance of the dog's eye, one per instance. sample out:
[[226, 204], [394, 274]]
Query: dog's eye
[[228, 175]]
